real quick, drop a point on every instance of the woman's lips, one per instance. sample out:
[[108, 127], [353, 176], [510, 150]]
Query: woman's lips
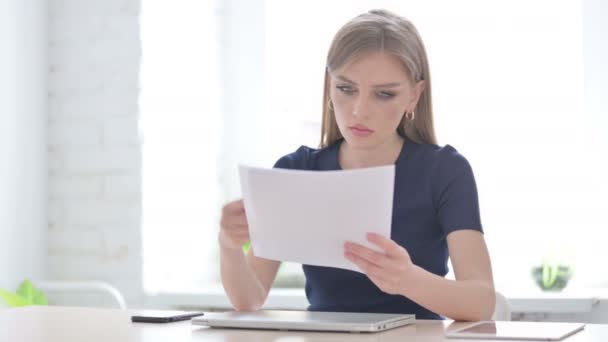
[[360, 131]]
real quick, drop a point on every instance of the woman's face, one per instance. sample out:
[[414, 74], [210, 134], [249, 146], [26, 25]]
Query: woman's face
[[370, 96]]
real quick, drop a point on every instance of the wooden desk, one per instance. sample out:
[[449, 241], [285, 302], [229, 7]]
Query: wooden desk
[[54, 324]]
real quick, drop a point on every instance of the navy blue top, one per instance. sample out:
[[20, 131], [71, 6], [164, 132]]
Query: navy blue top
[[435, 194]]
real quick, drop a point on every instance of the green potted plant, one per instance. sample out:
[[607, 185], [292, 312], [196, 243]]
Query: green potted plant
[[26, 294], [552, 276]]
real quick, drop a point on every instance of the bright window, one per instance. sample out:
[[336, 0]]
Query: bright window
[[241, 81]]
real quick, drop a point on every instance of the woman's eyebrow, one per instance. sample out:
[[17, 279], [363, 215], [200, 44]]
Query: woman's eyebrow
[[384, 85]]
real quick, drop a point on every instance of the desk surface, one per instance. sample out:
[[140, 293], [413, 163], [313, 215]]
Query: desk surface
[[52, 324]]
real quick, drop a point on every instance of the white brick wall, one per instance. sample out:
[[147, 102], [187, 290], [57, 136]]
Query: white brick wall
[[94, 146]]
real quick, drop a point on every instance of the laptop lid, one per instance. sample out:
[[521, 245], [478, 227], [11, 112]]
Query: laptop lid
[[305, 320]]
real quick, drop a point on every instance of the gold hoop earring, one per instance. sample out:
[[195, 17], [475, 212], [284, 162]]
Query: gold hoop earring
[[330, 105], [410, 116]]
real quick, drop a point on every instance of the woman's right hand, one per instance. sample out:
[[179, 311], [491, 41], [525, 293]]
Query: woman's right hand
[[234, 230]]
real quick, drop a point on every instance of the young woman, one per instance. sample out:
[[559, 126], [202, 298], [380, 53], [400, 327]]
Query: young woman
[[377, 111]]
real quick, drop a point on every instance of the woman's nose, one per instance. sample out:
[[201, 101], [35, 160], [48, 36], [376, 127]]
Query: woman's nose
[[360, 107]]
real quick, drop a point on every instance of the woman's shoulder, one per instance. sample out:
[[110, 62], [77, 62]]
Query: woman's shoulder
[[445, 157], [306, 158]]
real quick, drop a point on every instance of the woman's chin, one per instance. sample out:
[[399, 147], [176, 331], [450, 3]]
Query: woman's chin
[[361, 142]]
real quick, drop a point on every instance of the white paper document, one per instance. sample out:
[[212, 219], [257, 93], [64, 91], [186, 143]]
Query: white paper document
[[306, 216]]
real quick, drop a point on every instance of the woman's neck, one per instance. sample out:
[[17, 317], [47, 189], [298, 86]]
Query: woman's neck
[[383, 154]]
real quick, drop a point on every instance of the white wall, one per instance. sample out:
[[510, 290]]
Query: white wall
[[595, 34], [595, 31], [94, 149], [23, 175]]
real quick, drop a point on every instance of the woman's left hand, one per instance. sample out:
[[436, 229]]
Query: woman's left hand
[[391, 271]]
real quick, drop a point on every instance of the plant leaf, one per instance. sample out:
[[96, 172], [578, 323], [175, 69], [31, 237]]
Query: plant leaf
[[26, 291], [13, 299], [554, 270], [29, 292], [39, 298], [546, 276]]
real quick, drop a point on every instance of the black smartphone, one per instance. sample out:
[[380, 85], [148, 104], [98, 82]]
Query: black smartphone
[[162, 316]]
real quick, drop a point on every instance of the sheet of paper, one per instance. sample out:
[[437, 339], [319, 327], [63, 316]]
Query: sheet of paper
[[306, 216]]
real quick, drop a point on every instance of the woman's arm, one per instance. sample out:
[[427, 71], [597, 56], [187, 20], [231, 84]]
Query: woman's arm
[[470, 297], [246, 279]]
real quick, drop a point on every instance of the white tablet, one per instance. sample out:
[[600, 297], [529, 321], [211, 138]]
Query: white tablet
[[528, 331]]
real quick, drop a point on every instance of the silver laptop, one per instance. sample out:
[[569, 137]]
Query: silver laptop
[[305, 320]]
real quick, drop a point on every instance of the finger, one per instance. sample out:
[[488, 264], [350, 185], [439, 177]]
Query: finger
[[366, 253], [237, 206], [234, 231], [239, 237], [234, 241], [238, 233], [370, 269], [234, 221], [229, 216], [389, 246], [231, 228]]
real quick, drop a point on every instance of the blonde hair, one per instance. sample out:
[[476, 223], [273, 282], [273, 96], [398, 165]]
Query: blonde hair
[[381, 30]]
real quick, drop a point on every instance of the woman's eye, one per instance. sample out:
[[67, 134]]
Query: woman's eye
[[345, 89], [385, 95]]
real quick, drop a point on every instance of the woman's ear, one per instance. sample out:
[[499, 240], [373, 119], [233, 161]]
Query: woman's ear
[[418, 89]]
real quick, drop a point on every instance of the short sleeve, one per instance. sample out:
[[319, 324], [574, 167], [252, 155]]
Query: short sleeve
[[298, 160], [455, 192]]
